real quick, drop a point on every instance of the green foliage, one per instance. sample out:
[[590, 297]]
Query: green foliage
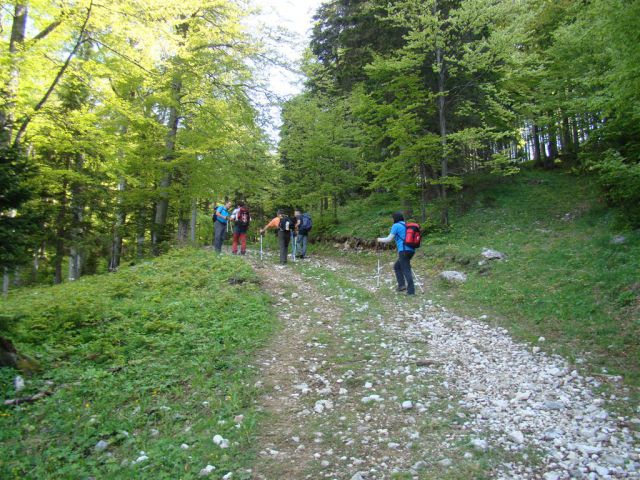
[[563, 278], [145, 359], [621, 183], [16, 225]]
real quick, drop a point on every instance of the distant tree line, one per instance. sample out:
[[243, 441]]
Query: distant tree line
[[120, 124], [412, 95]]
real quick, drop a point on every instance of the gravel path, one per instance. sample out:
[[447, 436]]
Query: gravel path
[[365, 387]]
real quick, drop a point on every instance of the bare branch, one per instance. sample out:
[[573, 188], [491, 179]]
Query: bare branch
[[56, 80], [122, 55], [47, 30]]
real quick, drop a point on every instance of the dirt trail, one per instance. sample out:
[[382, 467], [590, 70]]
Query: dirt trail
[[362, 383]]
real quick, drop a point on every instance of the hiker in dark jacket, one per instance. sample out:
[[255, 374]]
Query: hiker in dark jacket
[[284, 225], [303, 227], [220, 219], [402, 267]]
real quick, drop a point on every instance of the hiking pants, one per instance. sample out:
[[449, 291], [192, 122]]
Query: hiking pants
[[220, 232], [302, 245], [283, 243], [402, 267], [242, 237]]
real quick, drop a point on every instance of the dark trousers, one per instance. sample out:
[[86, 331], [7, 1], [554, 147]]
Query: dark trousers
[[220, 232], [283, 243], [402, 267]]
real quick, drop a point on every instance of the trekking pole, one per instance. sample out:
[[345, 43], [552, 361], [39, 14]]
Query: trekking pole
[[417, 280], [260, 247], [378, 269], [295, 246]]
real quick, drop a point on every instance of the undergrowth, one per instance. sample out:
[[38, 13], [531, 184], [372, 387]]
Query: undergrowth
[[146, 360]]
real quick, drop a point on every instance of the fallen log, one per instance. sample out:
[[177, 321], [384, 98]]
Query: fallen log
[[30, 399]]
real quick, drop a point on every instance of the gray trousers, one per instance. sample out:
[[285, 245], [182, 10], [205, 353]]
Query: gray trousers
[[219, 234], [302, 245]]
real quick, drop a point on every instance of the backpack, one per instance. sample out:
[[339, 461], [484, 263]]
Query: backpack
[[216, 210], [286, 224], [413, 236], [305, 224], [242, 217]]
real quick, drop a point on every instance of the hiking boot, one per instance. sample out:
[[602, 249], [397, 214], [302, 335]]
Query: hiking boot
[[401, 289]]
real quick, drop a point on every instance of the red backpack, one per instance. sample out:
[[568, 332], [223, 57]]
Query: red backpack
[[243, 218], [413, 236]]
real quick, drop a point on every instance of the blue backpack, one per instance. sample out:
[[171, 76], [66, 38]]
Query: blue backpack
[[305, 224]]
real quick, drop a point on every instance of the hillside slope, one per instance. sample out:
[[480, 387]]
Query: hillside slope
[[565, 278], [141, 369]]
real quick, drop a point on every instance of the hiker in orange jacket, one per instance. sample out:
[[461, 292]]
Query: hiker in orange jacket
[[284, 225]]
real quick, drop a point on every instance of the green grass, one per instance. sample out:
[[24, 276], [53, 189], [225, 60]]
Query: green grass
[[146, 359], [563, 279]]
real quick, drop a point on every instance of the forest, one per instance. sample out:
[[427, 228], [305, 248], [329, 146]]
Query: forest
[[123, 123]]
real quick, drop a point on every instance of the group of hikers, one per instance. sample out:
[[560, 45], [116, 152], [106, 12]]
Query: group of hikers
[[289, 229], [296, 229]]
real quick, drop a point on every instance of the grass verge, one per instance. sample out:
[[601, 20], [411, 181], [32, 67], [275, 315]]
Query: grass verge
[[151, 360]]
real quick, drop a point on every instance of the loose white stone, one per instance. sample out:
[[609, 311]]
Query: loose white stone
[[445, 462], [207, 470], [516, 436], [217, 439], [101, 445], [18, 383], [140, 459], [479, 444], [407, 405], [184, 446], [228, 476]]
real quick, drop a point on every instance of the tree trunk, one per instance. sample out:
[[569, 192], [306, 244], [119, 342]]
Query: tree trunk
[[159, 233], [576, 137], [183, 229], [537, 154], [116, 242], [141, 230], [194, 221], [567, 147], [77, 218], [35, 266], [553, 146], [5, 282], [60, 233], [18, 29], [442, 120]]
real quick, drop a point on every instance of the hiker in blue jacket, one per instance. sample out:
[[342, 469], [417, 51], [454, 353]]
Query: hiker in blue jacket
[[220, 219], [402, 267]]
